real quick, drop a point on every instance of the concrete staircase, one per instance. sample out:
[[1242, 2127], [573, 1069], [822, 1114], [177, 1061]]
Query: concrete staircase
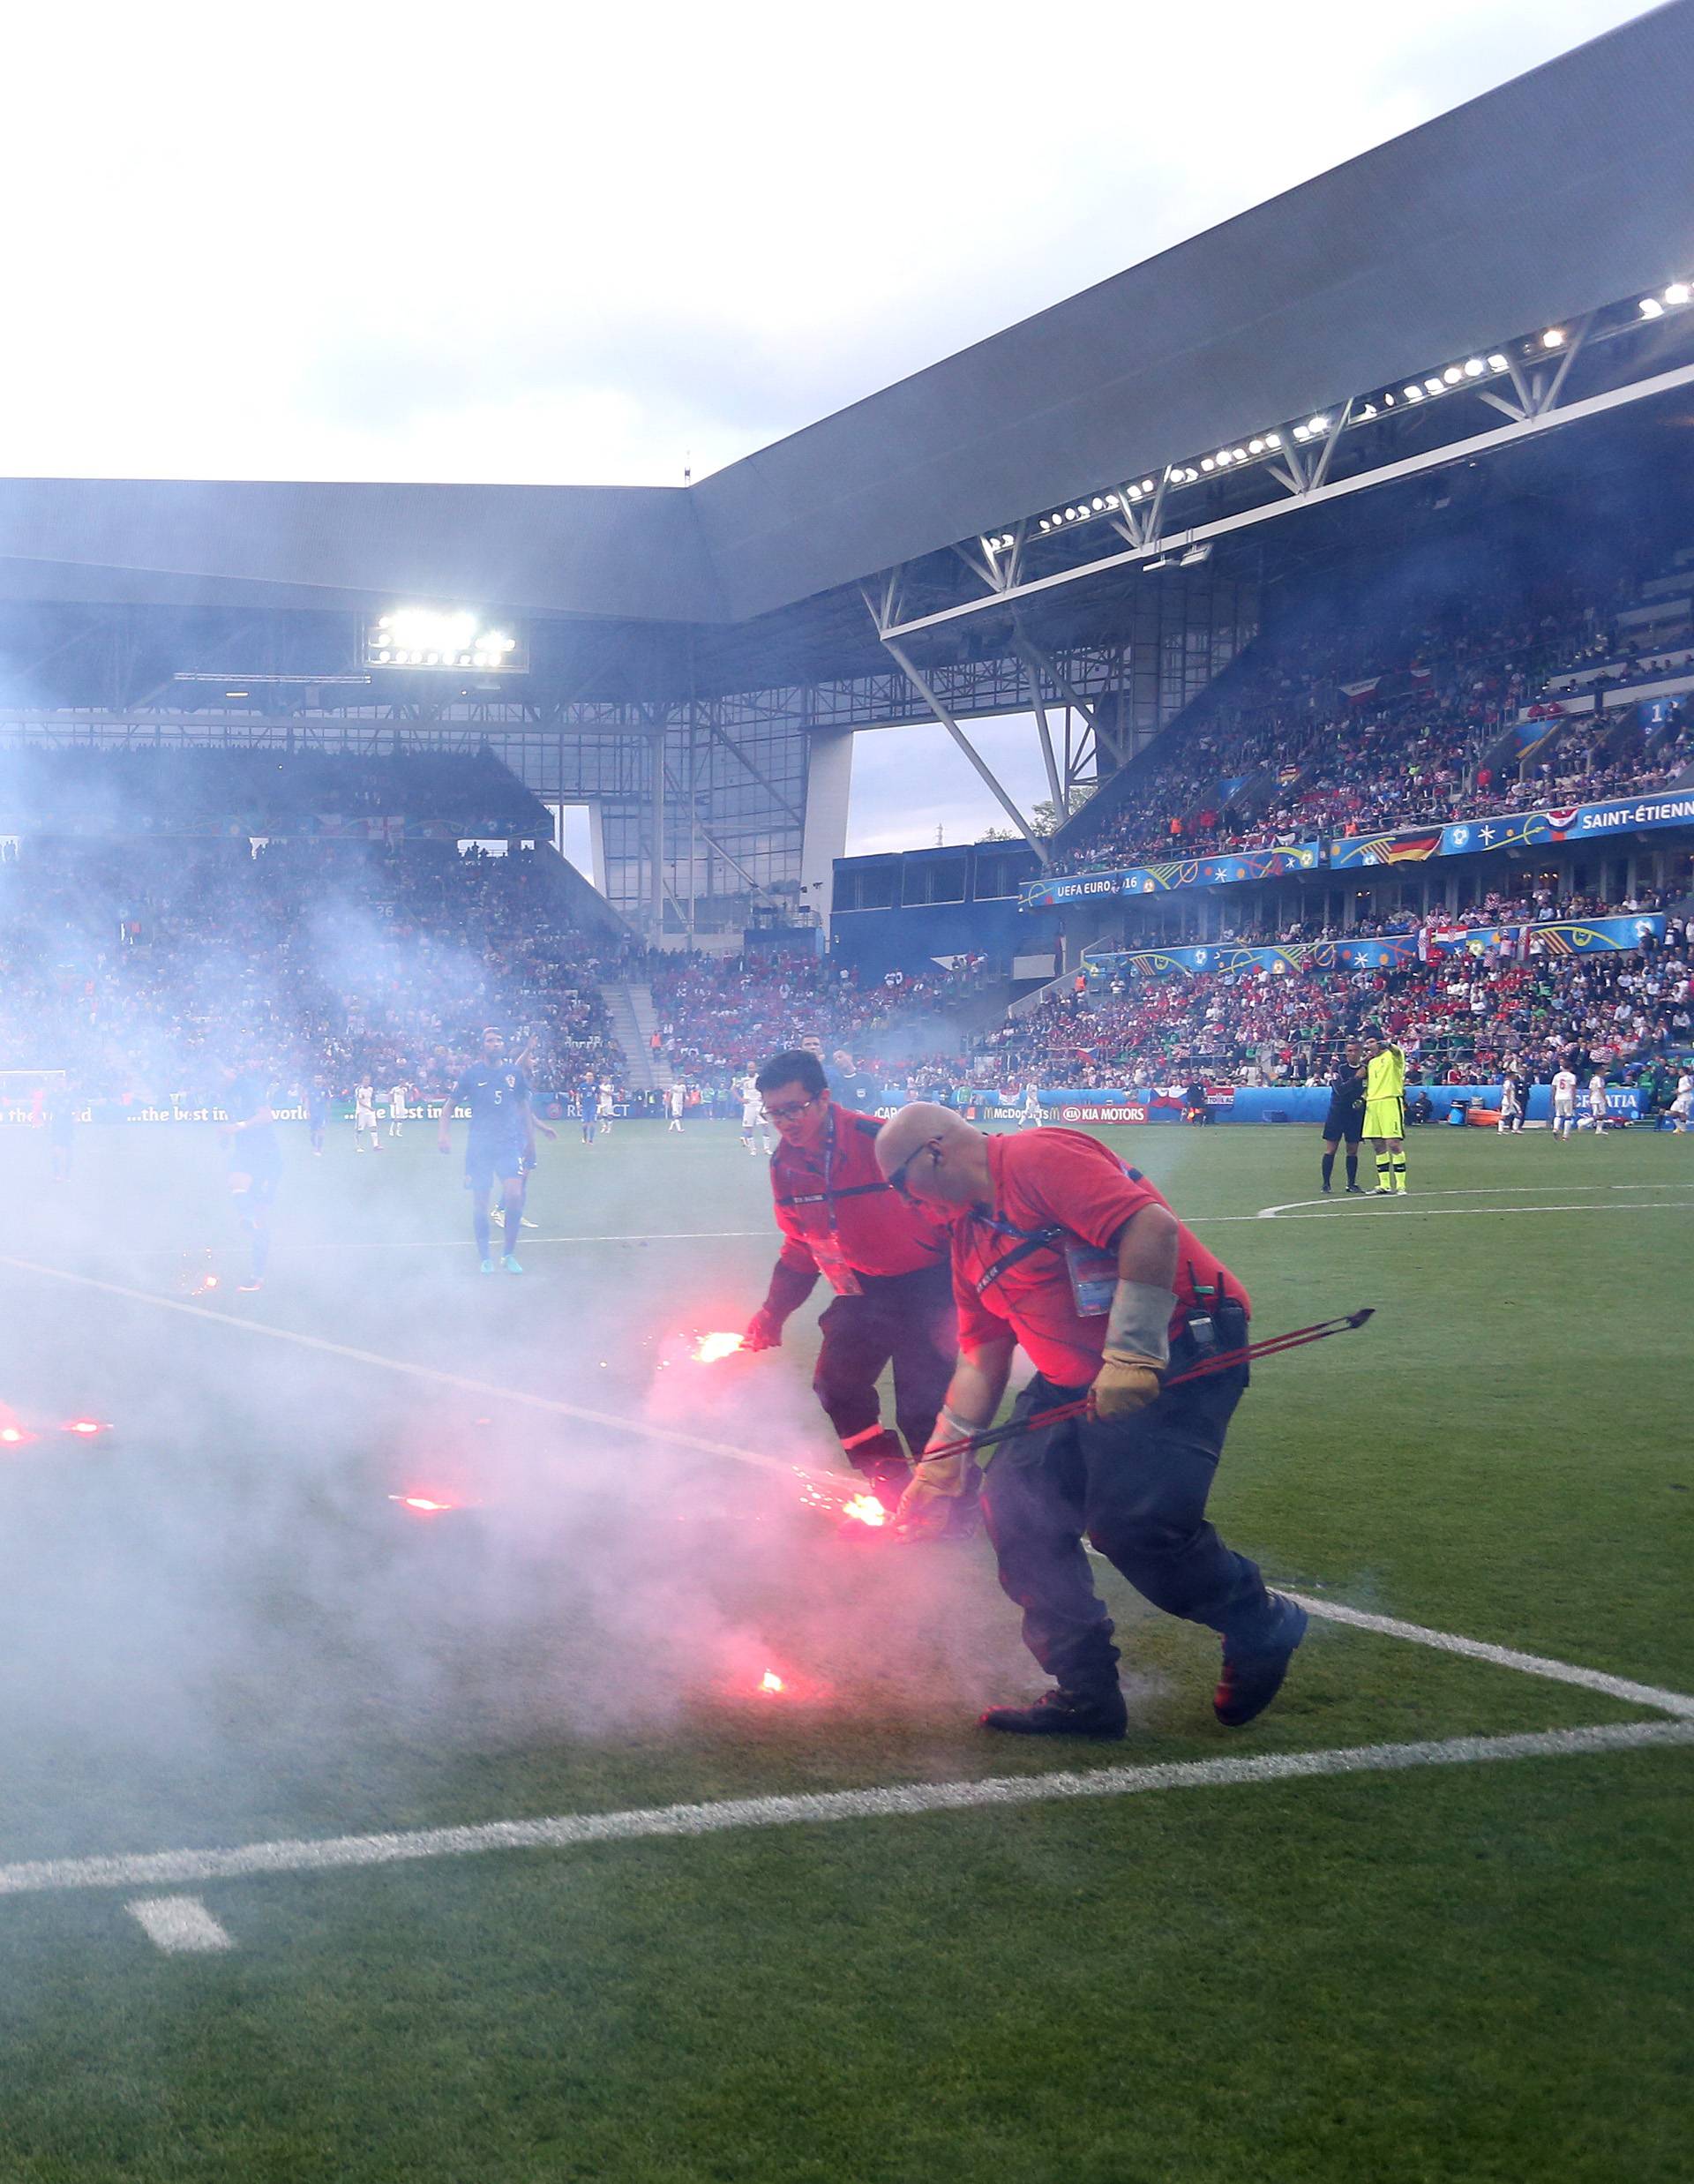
[[629, 1003]]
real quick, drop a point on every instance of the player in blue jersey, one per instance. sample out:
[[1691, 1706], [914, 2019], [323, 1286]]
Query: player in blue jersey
[[317, 1112], [497, 1092], [255, 1163]]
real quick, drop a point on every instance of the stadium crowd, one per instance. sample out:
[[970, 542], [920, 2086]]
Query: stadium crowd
[[1459, 1020], [1356, 733], [143, 970], [721, 1018]]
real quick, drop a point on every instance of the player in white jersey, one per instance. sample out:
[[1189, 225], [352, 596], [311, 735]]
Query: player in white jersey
[[1511, 1106], [1031, 1111], [1597, 1109], [675, 1100], [602, 1111], [364, 1116], [399, 1108], [1682, 1107], [753, 1118], [1564, 1102]]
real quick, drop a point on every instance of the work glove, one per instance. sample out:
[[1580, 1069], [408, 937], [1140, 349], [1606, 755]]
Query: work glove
[[1137, 1350], [764, 1332], [1124, 1385], [929, 1506]]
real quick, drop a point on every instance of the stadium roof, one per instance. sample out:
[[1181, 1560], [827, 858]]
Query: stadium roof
[[1551, 197]]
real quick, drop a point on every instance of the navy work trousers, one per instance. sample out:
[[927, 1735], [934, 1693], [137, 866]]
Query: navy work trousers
[[906, 1320], [1137, 1487]]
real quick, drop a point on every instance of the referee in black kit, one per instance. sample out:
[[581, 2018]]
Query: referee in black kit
[[1344, 1124]]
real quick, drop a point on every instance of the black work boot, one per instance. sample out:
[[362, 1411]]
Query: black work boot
[[881, 1465], [1251, 1680], [1099, 1712]]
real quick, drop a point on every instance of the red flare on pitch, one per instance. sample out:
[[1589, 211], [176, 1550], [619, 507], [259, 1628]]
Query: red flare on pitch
[[772, 1683], [866, 1508], [87, 1426], [423, 1504], [13, 1436], [711, 1348]]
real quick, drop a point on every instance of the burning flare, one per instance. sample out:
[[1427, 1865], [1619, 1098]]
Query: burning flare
[[771, 1682], [710, 1347], [866, 1508], [422, 1503]]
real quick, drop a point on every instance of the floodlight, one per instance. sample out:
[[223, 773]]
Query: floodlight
[[1432, 387], [1474, 368], [1652, 308], [1255, 446], [1677, 292], [1225, 458], [1498, 364], [1553, 338], [1098, 504], [1206, 463], [441, 637], [1146, 484], [1452, 375], [1414, 394], [1273, 439], [1318, 424]]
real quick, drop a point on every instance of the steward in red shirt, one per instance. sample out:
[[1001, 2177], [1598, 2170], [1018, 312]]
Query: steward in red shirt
[[887, 1261], [1060, 1247]]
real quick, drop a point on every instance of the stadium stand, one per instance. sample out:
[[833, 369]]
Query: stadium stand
[[142, 959], [720, 1019], [1459, 1021], [1368, 714]]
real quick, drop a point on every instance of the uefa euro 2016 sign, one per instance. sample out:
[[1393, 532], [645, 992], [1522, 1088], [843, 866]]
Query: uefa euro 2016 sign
[[1390, 952], [1267, 864]]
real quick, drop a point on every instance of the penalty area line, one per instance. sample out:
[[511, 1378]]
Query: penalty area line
[[572, 1831], [1676, 1702], [463, 1384], [1501, 1656]]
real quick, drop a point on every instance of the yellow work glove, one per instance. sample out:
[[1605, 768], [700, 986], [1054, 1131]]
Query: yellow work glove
[[927, 1507], [1124, 1385]]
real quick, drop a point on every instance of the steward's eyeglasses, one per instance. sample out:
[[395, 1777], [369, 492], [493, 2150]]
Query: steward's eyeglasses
[[788, 1109], [897, 1175]]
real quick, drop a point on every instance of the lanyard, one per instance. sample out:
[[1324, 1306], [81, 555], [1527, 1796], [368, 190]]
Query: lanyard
[[1028, 1241], [830, 1195]]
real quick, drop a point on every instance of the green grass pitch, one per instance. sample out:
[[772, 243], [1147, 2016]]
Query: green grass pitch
[[218, 1628]]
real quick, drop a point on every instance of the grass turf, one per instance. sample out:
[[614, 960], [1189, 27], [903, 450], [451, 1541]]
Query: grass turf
[[221, 1628]]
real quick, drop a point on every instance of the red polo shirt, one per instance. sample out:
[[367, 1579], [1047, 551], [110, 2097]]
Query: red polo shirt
[[1060, 1176], [838, 1191]]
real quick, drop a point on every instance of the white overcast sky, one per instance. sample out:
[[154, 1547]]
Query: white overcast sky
[[551, 243]]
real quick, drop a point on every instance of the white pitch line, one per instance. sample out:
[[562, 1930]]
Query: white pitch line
[[904, 1800], [1481, 1190], [1676, 1702], [180, 1925], [1398, 1213], [555, 1406], [1444, 1641]]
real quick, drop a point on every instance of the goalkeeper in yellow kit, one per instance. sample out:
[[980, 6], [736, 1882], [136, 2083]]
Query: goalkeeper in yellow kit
[[1386, 1109]]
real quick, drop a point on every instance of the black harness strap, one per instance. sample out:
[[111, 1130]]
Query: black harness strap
[[1029, 1241]]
